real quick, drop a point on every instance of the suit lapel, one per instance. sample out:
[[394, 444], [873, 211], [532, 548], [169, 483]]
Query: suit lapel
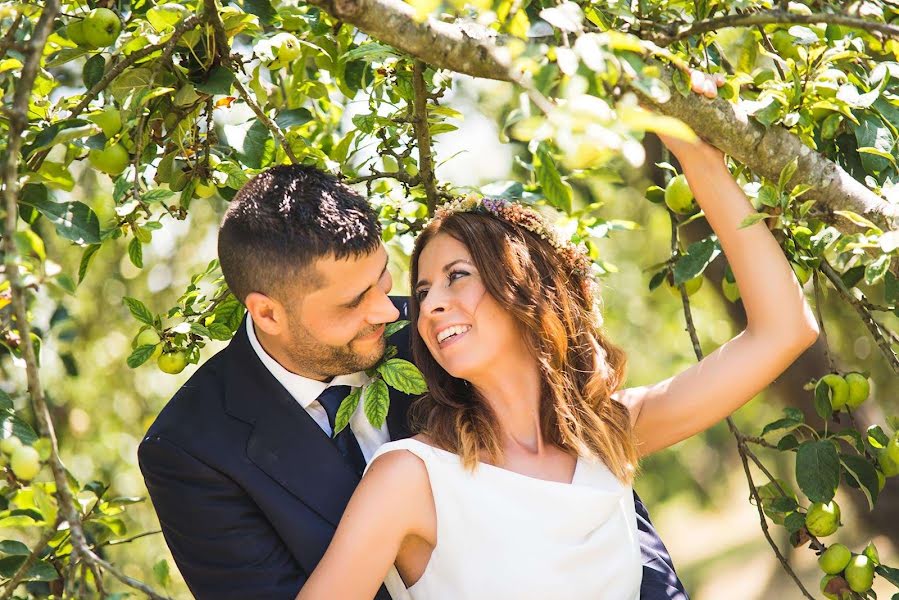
[[286, 443]]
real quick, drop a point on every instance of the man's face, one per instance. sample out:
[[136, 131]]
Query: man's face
[[338, 327]]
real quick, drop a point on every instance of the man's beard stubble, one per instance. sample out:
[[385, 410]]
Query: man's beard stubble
[[330, 361]]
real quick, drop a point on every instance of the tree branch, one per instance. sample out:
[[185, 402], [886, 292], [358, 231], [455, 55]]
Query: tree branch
[[476, 51], [223, 49], [423, 134], [674, 33]]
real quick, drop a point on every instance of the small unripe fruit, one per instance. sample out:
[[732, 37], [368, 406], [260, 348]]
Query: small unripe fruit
[[692, 286], [678, 195], [10, 444], [840, 584], [892, 449], [860, 573], [730, 290], [112, 159], [889, 466], [858, 389], [823, 519], [834, 559], [25, 463], [102, 27], [172, 362], [839, 390]]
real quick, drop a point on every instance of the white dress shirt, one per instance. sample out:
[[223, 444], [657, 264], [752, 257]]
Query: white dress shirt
[[306, 391]]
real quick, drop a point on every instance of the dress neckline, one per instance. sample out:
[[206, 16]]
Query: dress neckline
[[509, 472]]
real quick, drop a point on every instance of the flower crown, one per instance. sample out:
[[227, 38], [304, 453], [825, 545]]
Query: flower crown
[[575, 256]]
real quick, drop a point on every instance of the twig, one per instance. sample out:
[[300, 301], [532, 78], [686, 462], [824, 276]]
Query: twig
[[23, 569], [743, 451], [873, 326], [224, 53], [678, 32], [116, 70], [423, 134], [818, 312]]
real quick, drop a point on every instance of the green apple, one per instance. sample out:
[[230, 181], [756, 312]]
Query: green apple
[[693, 284], [860, 573], [205, 189], [889, 466], [75, 31], [678, 195], [840, 593], [287, 47], [102, 27], [172, 362], [10, 444], [25, 463], [730, 289], [834, 559], [112, 159], [109, 120], [148, 337], [823, 519], [838, 389], [892, 449], [858, 389]]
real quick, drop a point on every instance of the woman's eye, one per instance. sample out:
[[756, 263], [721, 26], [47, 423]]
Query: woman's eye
[[420, 295], [452, 275]]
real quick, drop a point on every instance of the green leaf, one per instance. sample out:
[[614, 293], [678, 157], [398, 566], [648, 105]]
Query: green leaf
[[875, 271], [220, 332], [293, 117], [823, 403], [140, 355], [161, 573], [392, 328], [794, 522], [136, 253], [890, 574], [699, 255], [818, 470], [157, 195], [876, 437], [376, 402], [86, 260], [230, 312], [219, 82], [14, 548], [370, 52], [781, 426], [864, 474], [345, 411], [139, 310], [786, 174], [753, 219], [262, 9], [93, 70], [39, 571], [857, 219], [74, 221], [5, 401], [558, 192], [404, 376], [252, 150], [873, 133], [12, 425]]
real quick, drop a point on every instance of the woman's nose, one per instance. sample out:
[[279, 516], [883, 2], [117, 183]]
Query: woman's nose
[[434, 302]]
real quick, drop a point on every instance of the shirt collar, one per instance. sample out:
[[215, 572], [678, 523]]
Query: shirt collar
[[303, 389]]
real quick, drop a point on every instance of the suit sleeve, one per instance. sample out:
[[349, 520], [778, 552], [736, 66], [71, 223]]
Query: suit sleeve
[[223, 545], [660, 580]]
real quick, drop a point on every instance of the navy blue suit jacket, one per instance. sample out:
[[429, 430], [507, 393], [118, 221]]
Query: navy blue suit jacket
[[249, 489]]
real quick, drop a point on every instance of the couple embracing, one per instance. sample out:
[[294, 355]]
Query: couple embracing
[[511, 478]]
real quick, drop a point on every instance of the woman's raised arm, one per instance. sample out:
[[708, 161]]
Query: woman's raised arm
[[780, 323], [392, 501]]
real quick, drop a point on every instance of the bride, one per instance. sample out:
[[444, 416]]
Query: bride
[[518, 484]]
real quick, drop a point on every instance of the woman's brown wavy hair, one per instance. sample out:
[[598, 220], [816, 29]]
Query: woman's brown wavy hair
[[579, 367]]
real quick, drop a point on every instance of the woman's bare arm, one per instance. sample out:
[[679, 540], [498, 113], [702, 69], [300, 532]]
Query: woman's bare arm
[[392, 501], [780, 323]]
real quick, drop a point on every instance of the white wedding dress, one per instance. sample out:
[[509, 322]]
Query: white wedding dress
[[502, 535]]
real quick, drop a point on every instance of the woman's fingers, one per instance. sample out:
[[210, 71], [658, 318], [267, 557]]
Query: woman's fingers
[[705, 84]]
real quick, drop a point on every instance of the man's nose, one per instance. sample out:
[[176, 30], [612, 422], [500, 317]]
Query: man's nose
[[385, 311]]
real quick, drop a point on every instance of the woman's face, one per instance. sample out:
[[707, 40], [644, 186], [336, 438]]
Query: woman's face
[[465, 329]]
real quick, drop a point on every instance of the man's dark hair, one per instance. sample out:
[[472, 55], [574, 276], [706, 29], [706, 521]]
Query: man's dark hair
[[284, 219]]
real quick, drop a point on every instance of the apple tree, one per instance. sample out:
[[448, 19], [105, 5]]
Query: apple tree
[[121, 118]]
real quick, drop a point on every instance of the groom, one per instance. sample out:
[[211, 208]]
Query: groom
[[243, 472]]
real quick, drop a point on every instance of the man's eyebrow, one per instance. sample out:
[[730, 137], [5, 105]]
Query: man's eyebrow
[[446, 268], [365, 291]]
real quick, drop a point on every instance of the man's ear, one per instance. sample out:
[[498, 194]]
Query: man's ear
[[267, 313]]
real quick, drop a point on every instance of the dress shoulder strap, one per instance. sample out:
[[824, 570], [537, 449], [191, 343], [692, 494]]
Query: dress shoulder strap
[[426, 453]]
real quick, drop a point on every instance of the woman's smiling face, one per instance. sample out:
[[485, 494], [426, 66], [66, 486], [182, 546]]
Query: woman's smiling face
[[464, 328]]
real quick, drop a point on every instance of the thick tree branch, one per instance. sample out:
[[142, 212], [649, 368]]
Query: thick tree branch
[[764, 151]]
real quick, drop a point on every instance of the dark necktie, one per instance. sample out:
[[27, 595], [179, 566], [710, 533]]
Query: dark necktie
[[346, 441]]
